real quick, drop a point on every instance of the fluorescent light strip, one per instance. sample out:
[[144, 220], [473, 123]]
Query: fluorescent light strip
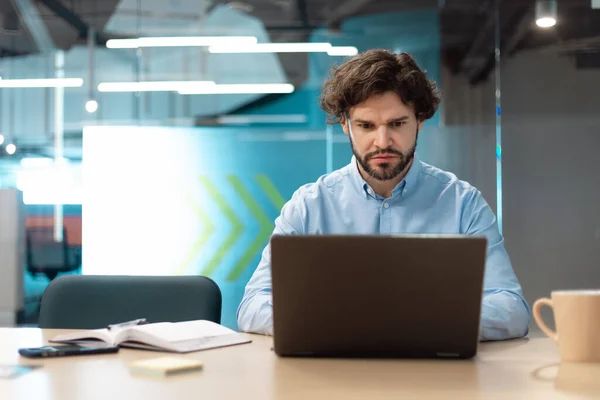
[[41, 83], [264, 119], [273, 48], [240, 88], [152, 86], [180, 41], [343, 51]]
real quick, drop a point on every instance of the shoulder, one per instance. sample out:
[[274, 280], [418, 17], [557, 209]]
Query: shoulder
[[446, 188], [325, 184], [443, 181], [312, 195]]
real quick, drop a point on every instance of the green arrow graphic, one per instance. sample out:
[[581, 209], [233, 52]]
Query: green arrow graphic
[[263, 234], [207, 230], [271, 191], [237, 228]]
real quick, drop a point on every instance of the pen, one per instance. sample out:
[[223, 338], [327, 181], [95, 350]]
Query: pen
[[140, 321]]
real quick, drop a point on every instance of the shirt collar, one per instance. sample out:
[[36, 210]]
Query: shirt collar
[[406, 186]]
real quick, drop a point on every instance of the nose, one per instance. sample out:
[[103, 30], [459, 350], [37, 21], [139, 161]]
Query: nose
[[383, 138]]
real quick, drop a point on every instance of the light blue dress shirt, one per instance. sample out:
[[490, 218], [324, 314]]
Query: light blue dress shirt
[[428, 200]]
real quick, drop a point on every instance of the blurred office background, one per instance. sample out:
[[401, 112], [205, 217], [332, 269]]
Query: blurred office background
[[155, 137]]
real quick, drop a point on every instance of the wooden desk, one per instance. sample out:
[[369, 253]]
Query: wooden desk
[[520, 369]]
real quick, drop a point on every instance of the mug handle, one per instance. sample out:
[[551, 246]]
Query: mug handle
[[537, 306]]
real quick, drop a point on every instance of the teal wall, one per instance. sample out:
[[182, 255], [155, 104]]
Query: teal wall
[[205, 209]]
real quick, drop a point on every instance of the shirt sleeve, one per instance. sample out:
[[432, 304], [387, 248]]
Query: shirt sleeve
[[255, 312], [505, 313]]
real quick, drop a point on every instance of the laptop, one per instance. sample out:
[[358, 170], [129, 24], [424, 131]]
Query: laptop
[[377, 296]]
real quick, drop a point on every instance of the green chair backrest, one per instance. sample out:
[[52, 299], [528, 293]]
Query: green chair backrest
[[95, 301]]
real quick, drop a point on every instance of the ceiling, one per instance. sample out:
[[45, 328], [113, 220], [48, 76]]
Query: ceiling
[[467, 26]]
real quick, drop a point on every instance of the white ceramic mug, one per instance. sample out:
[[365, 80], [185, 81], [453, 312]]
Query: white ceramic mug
[[577, 316]]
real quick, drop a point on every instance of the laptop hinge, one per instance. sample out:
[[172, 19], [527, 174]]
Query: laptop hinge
[[447, 354]]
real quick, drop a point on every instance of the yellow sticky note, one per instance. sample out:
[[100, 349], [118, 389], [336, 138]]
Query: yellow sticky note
[[163, 366]]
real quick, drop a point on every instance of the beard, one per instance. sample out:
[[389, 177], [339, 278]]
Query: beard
[[385, 171]]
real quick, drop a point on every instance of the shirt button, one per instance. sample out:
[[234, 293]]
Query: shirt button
[[386, 205]]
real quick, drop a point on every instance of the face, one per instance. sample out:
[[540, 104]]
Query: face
[[383, 135]]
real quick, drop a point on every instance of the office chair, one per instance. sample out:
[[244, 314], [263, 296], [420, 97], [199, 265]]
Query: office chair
[[47, 256], [95, 301]]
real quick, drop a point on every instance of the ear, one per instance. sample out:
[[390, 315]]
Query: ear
[[420, 124], [344, 123]]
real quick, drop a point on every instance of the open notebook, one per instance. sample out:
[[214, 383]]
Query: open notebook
[[179, 337]]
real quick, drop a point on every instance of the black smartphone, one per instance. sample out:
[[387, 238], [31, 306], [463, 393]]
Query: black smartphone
[[65, 350]]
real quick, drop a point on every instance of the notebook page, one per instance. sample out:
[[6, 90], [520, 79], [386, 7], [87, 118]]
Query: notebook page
[[86, 335], [180, 331], [182, 337]]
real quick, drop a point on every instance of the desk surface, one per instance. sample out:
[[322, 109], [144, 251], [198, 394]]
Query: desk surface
[[526, 368]]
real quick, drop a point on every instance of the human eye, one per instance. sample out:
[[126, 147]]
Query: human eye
[[398, 124], [365, 125]]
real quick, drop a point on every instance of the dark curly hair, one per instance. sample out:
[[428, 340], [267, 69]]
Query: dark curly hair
[[375, 72]]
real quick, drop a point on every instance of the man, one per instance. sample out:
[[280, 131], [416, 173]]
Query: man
[[382, 99]]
